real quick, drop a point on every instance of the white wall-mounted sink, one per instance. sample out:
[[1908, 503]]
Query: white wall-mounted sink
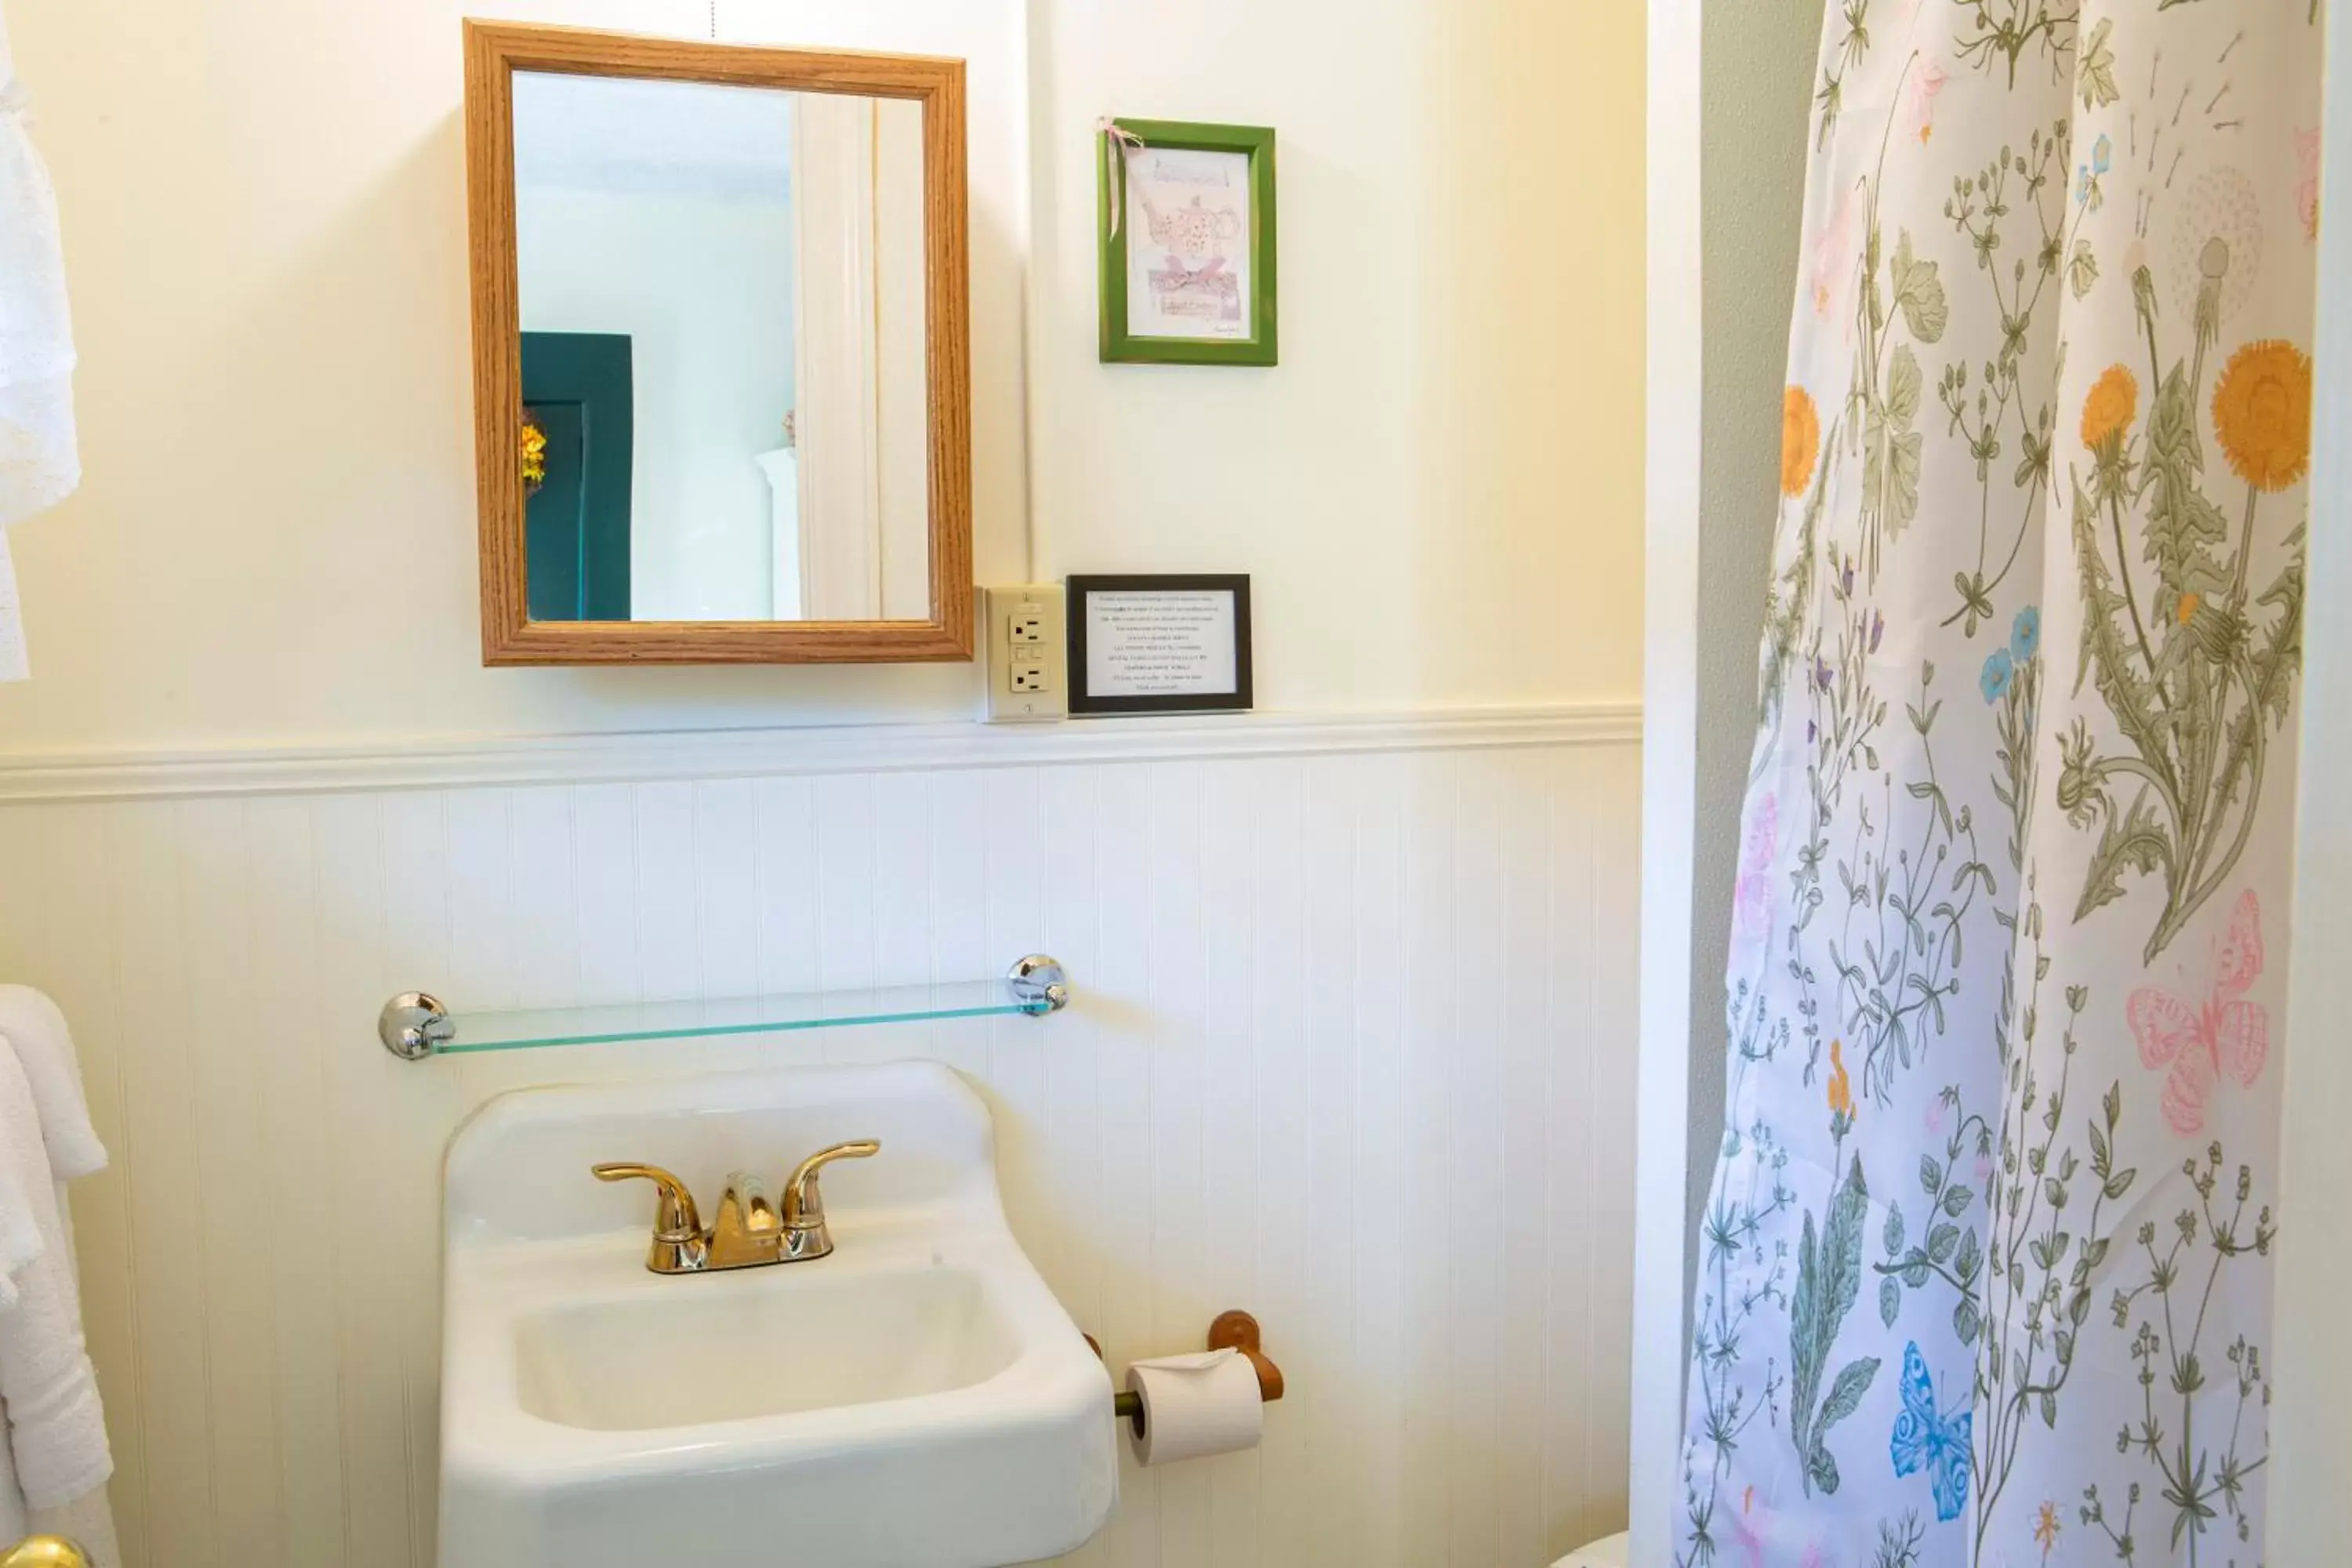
[[916, 1400]]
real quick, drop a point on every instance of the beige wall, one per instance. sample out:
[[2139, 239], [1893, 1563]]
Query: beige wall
[[1439, 488], [1437, 492]]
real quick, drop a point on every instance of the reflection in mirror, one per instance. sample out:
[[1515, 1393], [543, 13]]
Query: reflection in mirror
[[724, 373]]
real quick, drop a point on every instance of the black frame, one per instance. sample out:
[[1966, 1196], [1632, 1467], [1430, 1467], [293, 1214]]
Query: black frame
[[1239, 699]]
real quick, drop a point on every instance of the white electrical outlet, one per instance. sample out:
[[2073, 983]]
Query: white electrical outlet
[[1025, 657]]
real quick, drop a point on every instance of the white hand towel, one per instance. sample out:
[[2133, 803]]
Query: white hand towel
[[87, 1520], [20, 1237], [45, 1050], [16, 1518], [57, 1428]]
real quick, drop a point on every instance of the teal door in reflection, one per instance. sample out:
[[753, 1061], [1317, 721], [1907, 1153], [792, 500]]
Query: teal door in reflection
[[577, 393]]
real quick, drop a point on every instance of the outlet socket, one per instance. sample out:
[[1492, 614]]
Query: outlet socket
[[1026, 656]]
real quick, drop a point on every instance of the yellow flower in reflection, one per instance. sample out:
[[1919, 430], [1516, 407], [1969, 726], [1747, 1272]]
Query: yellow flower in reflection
[[534, 456], [2261, 407], [1800, 440]]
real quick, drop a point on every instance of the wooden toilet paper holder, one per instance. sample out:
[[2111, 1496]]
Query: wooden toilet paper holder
[[1236, 1331]]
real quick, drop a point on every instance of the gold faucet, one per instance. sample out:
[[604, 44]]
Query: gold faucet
[[44, 1551], [750, 1231]]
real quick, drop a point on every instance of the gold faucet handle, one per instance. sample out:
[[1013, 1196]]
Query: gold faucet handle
[[676, 1219], [44, 1551], [803, 1199]]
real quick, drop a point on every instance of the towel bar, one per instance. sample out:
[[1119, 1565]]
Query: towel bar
[[415, 1024]]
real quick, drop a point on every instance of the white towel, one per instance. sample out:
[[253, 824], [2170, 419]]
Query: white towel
[[57, 1428], [87, 1520], [20, 1239], [45, 1050]]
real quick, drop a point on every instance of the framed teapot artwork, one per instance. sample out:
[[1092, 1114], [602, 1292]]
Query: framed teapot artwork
[[1188, 243]]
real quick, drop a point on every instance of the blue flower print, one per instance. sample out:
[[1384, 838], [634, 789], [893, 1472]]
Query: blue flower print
[[1994, 681], [2025, 636], [2087, 185]]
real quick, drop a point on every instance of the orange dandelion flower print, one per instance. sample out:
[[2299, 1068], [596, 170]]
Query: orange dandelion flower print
[[2186, 610], [1841, 1085], [2108, 411], [2045, 1527], [2261, 409], [1800, 440]]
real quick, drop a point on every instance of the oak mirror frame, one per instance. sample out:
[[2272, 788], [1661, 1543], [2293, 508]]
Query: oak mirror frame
[[942, 628]]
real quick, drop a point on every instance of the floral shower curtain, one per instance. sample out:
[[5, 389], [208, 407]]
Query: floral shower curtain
[[1985, 1265]]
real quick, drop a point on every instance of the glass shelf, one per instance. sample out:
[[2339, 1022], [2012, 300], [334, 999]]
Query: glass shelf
[[415, 1024]]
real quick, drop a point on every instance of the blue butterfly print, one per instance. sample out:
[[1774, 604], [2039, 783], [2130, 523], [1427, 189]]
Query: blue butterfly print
[[1924, 1440]]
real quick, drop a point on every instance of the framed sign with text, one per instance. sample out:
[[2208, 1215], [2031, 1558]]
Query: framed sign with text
[[1160, 644]]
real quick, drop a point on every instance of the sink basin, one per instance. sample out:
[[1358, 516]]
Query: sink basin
[[883, 1336], [916, 1400]]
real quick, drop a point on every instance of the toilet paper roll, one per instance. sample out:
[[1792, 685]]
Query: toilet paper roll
[[1195, 1405]]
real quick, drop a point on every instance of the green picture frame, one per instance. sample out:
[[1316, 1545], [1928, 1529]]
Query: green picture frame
[[1214, 290]]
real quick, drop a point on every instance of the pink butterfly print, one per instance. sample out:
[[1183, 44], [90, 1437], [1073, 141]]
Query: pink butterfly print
[[2199, 1044], [1753, 895]]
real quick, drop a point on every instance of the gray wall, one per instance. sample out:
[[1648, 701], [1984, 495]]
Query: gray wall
[[1759, 58]]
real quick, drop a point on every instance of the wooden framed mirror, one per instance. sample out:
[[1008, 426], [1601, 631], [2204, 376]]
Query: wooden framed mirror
[[721, 354]]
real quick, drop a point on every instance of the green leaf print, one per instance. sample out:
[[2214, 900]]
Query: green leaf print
[[1919, 292], [2096, 77], [2135, 841], [1829, 1277], [2082, 269], [2195, 667], [1890, 447], [2183, 527], [1904, 386]]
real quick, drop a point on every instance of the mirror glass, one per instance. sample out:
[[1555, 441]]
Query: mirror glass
[[724, 387]]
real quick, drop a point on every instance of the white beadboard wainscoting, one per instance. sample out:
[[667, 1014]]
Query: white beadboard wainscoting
[[1353, 1048]]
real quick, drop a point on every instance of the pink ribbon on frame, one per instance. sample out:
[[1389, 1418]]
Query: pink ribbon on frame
[[1118, 144]]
